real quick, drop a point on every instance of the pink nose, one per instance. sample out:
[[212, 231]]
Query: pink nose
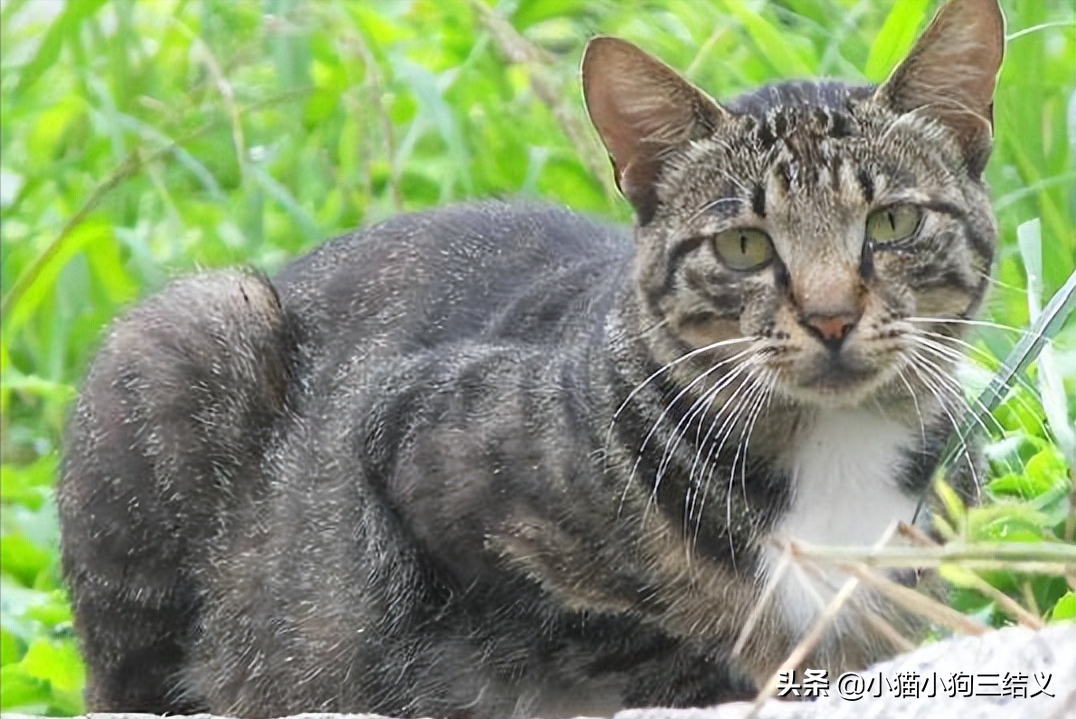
[[830, 328]]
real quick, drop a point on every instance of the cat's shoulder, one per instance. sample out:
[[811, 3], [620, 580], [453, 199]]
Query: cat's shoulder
[[452, 267]]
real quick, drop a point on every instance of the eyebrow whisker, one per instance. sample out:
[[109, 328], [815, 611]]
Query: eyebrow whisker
[[716, 203]]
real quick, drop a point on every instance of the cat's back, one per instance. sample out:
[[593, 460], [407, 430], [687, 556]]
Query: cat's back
[[481, 272]]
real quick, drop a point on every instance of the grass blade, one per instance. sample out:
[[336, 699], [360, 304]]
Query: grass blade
[[1051, 386], [1045, 328], [62, 28]]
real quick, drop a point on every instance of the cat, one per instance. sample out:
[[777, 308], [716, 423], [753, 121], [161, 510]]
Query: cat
[[501, 459]]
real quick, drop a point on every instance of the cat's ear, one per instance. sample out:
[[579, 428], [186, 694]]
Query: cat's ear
[[642, 109], [951, 72]]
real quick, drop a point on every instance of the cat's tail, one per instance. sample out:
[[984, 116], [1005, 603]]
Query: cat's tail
[[171, 427]]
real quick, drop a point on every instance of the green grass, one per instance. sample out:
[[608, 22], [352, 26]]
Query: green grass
[[141, 140]]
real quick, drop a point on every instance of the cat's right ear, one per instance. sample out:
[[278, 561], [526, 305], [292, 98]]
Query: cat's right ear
[[642, 109], [951, 73]]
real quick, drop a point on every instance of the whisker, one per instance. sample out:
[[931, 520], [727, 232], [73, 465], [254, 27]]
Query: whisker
[[680, 430], [679, 395], [957, 390], [1008, 286], [986, 359], [755, 399], [661, 417], [951, 354], [938, 391], [729, 422], [701, 405], [670, 365], [731, 403], [996, 429], [915, 402], [706, 401], [964, 321], [768, 382]]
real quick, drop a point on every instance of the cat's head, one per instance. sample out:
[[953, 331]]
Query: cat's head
[[835, 225]]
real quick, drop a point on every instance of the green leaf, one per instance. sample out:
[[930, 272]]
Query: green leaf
[[11, 648], [1008, 520], [895, 38], [531, 12], [1012, 529], [63, 27], [774, 44], [92, 231], [56, 662], [22, 559], [1047, 467], [954, 507], [30, 614], [963, 598], [1065, 609], [1029, 242], [22, 691], [28, 485], [53, 612], [1020, 486]]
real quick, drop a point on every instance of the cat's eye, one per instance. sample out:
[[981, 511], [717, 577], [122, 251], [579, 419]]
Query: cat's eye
[[743, 248], [893, 223]]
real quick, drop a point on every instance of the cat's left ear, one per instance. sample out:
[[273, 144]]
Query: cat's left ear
[[951, 73], [642, 109]]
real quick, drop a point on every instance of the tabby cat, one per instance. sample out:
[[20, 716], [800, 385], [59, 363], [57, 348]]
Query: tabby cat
[[503, 460]]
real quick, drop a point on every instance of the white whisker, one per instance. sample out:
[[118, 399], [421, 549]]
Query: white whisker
[[944, 354], [734, 402], [669, 366], [915, 403], [701, 404], [964, 321], [665, 410], [933, 385], [951, 354]]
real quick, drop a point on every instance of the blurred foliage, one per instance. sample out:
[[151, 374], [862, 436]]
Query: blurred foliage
[[139, 140]]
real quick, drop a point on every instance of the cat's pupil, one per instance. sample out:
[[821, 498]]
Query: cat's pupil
[[743, 244], [892, 217]]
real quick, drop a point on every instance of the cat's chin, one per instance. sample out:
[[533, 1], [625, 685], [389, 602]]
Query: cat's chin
[[835, 386]]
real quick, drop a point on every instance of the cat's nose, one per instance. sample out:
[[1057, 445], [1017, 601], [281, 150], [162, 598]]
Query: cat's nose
[[830, 328]]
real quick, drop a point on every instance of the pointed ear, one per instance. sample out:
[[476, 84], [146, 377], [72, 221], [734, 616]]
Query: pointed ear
[[951, 72], [641, 109]]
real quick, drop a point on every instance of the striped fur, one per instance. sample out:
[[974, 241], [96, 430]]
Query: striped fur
[[504, 460]]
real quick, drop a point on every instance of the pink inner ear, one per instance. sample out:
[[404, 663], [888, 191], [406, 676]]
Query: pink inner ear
[[640, 108], [604, 102], [951, 72], [627, 99]]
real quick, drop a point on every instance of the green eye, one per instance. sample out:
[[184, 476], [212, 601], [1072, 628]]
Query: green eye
[[743, 248], [896, 222]]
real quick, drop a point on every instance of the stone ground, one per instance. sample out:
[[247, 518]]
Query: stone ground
[[1013, 673]]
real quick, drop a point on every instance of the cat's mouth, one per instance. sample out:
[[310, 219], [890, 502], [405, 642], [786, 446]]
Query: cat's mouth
[[837, 374], [836, 380]]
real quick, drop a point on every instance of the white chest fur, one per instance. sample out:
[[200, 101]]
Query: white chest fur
[[845, 470]]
